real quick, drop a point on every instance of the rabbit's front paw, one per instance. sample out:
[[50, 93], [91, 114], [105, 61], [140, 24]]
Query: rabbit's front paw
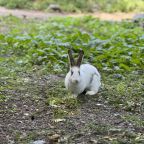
[[90, 93], [74, 96]]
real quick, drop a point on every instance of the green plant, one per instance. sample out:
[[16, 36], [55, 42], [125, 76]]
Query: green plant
[[108, 45]]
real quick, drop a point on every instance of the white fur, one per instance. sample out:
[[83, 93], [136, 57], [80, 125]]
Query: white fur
[[89, 80]]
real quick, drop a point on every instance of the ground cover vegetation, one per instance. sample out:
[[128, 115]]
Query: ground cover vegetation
[[33, 63]]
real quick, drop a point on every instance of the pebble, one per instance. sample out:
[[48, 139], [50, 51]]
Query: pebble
[[38, 142]]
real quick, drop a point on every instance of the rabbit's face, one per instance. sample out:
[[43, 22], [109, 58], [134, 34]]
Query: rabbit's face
[[75, 74]]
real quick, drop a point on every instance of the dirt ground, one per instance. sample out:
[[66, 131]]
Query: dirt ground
[[26, 117], [44, 15]]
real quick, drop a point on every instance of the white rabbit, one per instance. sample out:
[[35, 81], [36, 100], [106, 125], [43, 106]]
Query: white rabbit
[[83, 77]]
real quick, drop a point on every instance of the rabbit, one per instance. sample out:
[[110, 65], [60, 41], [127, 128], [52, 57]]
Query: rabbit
[[82, 77]]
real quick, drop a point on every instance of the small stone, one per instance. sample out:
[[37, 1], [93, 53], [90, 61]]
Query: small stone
[[55, 7], [54, 137], [93, 141], [99, 104], [38, 142], [116, 114], [118, 76], [52, 127], [26, 114], [59, 120]]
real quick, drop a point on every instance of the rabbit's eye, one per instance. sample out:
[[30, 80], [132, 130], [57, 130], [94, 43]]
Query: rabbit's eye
[[71, 72], [79, 72]]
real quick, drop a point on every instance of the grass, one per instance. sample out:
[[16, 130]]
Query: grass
[[126, 94], [33, 49], [78, 5]]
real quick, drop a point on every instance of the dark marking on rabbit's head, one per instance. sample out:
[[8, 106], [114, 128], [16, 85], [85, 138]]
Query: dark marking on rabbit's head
[[79, 60], [75, 66]]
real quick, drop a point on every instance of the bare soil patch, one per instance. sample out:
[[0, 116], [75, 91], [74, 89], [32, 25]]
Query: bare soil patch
[[25, 116], [45, 15]]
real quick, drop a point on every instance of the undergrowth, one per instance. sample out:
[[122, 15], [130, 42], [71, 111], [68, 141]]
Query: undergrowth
[[110, 46]]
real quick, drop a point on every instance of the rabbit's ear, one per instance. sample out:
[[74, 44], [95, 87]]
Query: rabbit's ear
[[80, 57], [71, 59]]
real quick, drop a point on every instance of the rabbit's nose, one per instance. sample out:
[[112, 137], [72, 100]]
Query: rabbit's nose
[[75, 81]]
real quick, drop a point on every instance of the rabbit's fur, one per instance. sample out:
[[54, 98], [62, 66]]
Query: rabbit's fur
[[83, 77]]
